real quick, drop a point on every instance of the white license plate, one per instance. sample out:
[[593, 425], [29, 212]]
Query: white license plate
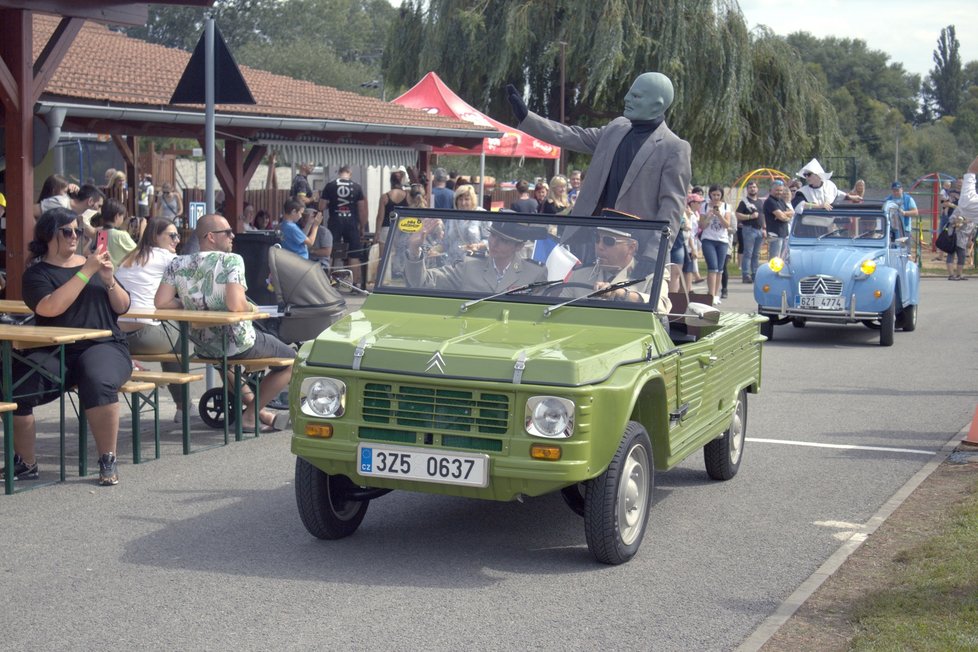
[[423, 465], [821, 302]]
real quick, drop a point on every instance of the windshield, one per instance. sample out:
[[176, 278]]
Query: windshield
[[834, 227], [546, 259]]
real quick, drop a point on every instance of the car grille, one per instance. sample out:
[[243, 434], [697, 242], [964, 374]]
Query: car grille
[[423, 408], [820, 285]]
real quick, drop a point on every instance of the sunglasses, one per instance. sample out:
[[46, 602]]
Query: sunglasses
[[227, 232], [607, 240], [68, 232], [174, 235]]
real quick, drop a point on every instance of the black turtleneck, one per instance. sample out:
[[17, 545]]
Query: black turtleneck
[[625, 154]]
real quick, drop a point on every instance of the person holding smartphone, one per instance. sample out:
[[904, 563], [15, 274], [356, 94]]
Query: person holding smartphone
[[64, 288], [716, 243]]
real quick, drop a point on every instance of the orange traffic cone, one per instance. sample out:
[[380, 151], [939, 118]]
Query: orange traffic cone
[[972, 438]]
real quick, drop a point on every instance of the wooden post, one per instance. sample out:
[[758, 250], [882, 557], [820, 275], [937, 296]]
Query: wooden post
[[16, 92]]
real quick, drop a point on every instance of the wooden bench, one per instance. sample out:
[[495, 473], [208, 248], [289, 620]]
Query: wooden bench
[[139, 394], [166, 377], [249, 365], [157, 357]]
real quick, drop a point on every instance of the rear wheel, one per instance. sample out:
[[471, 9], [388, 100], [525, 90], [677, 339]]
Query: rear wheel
[[723, 455], [888, 324], [617, 502], [908, 318], [323, 505], [799, 322]]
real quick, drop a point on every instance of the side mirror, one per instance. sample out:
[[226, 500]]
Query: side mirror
[[700, 314]]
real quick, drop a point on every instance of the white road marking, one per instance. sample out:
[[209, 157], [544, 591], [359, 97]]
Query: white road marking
[[886, 449]]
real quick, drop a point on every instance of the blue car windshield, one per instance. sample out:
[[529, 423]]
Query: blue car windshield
[[826, 226]]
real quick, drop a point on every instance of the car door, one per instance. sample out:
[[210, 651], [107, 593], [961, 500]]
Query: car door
[[898, 254]]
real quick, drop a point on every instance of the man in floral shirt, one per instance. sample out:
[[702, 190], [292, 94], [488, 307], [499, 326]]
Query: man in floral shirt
[[214, 279]]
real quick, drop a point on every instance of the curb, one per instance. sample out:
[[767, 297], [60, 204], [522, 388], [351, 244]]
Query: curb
[[793, 602]]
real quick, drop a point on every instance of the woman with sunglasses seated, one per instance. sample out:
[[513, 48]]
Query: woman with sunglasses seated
[[141, 272], [67, 289]]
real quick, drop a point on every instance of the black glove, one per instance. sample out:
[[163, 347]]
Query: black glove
[[516, 101]]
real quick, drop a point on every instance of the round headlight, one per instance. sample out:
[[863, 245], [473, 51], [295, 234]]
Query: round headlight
[[868, 266], [324, 397], [549, 416], [776, 264]]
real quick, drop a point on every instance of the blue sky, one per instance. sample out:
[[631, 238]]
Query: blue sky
[[907, 30]]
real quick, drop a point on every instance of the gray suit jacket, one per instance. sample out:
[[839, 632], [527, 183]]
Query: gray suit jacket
[[656, 183]]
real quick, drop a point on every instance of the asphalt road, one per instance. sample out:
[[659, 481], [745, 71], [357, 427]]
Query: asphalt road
[[207, 551]]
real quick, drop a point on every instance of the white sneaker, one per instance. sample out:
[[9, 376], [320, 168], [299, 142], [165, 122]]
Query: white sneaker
[[716, 301]]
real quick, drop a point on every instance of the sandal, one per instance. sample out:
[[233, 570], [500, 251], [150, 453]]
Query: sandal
[[270, 421]]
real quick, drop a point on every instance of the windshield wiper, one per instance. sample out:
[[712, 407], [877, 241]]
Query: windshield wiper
[[590, 295], [522, 288]]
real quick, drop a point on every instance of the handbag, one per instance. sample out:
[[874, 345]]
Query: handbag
[[946, 240]]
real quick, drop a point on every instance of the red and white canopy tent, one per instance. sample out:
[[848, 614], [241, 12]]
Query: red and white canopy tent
[[433, 96]]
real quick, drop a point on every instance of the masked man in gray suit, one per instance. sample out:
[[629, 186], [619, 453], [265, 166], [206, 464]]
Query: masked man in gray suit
[[639, 166]]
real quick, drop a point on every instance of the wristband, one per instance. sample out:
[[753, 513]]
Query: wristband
[[82, 277]]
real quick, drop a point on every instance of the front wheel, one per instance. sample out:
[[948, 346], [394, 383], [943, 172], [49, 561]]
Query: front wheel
[[888, 324], [908, 318], [323, 506], [767, 329], [723, 455], [211, 407], [617, 502]]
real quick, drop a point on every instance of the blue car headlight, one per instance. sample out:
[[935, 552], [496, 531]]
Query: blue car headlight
[[866, 269]]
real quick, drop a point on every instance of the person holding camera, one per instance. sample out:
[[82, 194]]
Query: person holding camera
[[295, 238], [715, 224], [751, 231]]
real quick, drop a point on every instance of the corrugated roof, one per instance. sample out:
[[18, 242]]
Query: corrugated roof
[[109, 67]]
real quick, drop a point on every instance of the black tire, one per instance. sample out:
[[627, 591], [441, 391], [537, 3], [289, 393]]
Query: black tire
[[618, 502], [723, 455], [767, 329], [574, 497], [211, 407], [908, 319], [799, 322], [888, 324], [322, 506]]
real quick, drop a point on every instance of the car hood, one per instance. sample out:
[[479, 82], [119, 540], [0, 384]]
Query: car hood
[[839, 262], [480, 347]]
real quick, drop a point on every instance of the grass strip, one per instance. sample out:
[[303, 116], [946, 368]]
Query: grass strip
[[931, 602]]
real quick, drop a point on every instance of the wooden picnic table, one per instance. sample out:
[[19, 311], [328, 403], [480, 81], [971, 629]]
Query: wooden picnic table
[[24, 337], [200, 318]]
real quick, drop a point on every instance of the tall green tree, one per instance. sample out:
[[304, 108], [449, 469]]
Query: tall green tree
[[740, 98], [331, 42], [944, 88]]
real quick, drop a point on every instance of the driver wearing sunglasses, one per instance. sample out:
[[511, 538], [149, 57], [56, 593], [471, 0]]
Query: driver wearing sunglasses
[[615, 261]]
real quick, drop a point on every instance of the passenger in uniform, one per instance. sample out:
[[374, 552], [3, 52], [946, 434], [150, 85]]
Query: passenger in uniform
[[500, 269], [615, 250]]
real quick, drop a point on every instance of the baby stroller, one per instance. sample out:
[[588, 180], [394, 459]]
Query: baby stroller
[[308, 303], [305, 296]]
